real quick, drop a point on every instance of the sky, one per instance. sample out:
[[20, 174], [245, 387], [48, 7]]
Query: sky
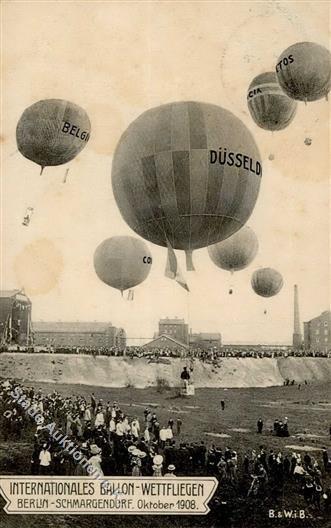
[[116, 60]]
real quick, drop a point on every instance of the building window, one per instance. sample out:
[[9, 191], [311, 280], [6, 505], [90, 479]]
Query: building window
[[317, 332], [326, 331], [325, 323], [326, 339]]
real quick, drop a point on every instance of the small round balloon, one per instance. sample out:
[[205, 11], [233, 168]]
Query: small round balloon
[[52, 132], [304, 71], [122, 262], [237, 252], [267, 282], [269, 106]]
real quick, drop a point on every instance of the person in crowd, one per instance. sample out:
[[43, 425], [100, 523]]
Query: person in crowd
[[308, 489], [87, 416], [44, 460], [185, 376], [117, 446], [99, 417], [326, 459], [93, 402], [95, 458], [259, 425], [170, 471], [179, 424], [157, 466], [317, 492]]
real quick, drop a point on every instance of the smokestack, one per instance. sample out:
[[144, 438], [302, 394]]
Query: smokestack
[[297, 337]]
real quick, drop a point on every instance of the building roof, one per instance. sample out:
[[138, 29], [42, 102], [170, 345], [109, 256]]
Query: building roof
[[8, 293], [323, 314], [167, 338], [207, 336], [70, 327], [14, 295], [171, 321]]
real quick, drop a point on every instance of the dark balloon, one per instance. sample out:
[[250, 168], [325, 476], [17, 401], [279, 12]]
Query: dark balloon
[[52, 132], [269, 106], [304, 71], [170, 187], [236, 252], [122, 262], [266, 282]]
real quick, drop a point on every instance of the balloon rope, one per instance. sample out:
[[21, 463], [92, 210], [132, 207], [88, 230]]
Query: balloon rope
[[189, 260]]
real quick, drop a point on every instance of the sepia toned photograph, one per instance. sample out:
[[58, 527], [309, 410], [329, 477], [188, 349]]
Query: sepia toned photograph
[[165, 322]]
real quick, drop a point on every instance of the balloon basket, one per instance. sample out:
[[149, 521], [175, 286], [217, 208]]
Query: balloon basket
[[188, 390]]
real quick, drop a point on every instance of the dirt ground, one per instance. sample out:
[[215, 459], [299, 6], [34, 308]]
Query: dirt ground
[[309, 417]]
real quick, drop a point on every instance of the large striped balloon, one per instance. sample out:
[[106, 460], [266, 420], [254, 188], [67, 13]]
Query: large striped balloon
[[304, 71], [172, 182], [267, 282], [122, 262], [269, 106], [236, 252], [52, 132]]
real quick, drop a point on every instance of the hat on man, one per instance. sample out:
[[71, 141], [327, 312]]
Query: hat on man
[[95, 450], [158, 460], [171, 467]]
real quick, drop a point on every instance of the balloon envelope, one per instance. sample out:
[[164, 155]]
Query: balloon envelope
[[236, 252], [52, 132], [304, 71], [269, 106], [122, 262], [167, 184], [267, 282]]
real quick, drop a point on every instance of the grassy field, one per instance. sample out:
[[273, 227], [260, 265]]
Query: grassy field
[[309, 416]]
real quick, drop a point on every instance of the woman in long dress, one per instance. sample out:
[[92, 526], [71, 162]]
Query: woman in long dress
[[95, 461]]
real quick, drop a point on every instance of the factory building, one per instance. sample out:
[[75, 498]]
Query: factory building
[[317, 333], [78, 334]]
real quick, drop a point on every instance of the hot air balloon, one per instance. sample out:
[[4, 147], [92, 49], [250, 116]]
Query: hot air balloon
[[236, 252], [267, 282], [186, 174], [304, 71], [269, 106], [122, 262], [52, 132]]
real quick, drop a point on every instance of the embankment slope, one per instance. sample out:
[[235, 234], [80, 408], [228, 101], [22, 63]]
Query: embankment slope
[[141, 373]]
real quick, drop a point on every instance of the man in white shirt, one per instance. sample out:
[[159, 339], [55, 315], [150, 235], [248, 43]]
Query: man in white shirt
[[44, 460], [120, 429], [99, 419], [135, 427], [87, 414]]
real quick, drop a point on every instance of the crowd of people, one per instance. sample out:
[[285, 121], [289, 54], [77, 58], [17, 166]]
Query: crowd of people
[[114, 443], [193, 352]]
